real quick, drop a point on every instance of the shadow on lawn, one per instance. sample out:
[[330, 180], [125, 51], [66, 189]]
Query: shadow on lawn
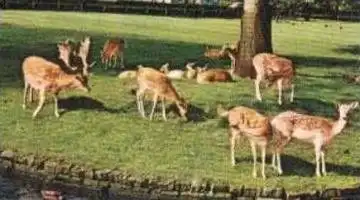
[[85, 103], [353, 49], [295, 166]]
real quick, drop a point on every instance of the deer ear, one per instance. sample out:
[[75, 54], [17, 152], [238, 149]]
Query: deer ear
[[354, 104]]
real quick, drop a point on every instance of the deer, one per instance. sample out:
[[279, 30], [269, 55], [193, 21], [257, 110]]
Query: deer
[[273, 68], [254, 126], [71, 61], [49, 77], [127, 74], [206, 76], [316, 130], [190, 72], [178, 74], [157, 83], [113, 48], [214, 53]]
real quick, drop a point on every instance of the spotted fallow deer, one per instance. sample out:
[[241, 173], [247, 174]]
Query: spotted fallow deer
[[49, 77], [316, 130], [69, 54], [157, 83], [272, 68], [255, 126], [113, 48], [206, 76]]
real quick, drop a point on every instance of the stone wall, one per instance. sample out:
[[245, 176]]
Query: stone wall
[[106, 183]]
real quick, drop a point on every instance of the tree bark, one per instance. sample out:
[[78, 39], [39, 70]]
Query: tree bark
[[255, 35]]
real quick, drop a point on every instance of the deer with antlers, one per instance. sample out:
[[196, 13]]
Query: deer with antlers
[[49, 77], [255, 126], [112, 50], [273, 68], [157, 83], [76, 61], [316, 130]]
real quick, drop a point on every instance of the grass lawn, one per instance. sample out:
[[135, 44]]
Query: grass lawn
[[118, 137]]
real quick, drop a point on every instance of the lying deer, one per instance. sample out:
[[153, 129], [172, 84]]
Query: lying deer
[[127, 74], [48, 77], [177, 74], [159, 84], [190, 71], [256, 127], [312, 129], [113, 49], [272, 68], [205, 76]]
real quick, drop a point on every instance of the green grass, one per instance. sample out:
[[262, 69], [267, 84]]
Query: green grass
[[118, 137]]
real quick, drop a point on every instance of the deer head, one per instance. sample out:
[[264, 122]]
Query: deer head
[[164, 68], [183, 107], [80, 82], [344, 109]]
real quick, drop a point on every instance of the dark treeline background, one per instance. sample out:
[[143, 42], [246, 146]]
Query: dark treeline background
[[282, 9]]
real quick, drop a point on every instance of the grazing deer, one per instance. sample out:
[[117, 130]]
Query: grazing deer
[[48, 77], [256, 127], [190, 72], [159, 84], [312, 129], [205, 76], [113, 49], [272, 68]]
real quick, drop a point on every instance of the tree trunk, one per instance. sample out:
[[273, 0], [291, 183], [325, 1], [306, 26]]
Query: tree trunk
[[255, 36]]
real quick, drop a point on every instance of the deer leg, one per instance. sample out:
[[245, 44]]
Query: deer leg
[[280, 147], [163, 109], [56, 106], [323, 169], [26, 87], [232, 145], [279, 84], [317, 159], [140, 103], [115, 61], [292, 93], [122, 60], [263, 155], [257, 88], [41, 102], [31, 92], [253, 149], [154, 106]]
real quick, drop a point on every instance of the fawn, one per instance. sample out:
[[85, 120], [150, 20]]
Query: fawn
[[113, 48], [248, 122], [159, 84], [272, 68], [48, 77], [312, 129]]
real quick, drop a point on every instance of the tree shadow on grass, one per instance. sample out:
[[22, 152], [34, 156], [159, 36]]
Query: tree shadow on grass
[[353, 49], [322, 62], [84, 103]]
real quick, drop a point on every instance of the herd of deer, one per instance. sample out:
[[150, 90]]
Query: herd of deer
[[71, 71]]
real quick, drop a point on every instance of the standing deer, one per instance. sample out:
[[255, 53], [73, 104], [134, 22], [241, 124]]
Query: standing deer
[[159, 84], [113, 48], [69, 54], [256, 127], [48, 77], [312, 129], [214, 53], [272, 68]]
